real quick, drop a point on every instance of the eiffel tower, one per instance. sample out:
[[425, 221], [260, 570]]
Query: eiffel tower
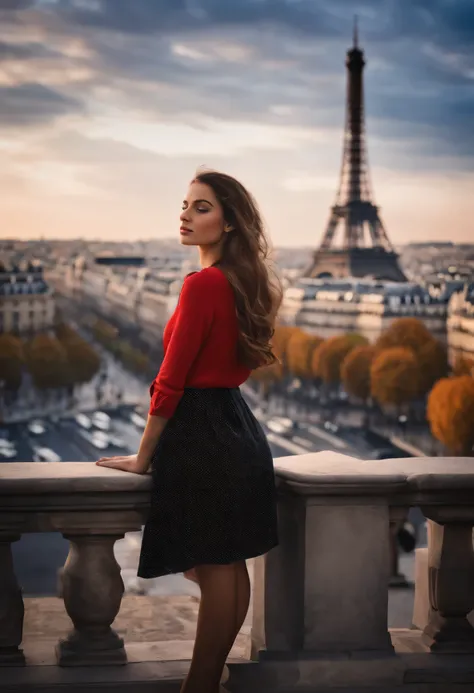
[[365, 250]]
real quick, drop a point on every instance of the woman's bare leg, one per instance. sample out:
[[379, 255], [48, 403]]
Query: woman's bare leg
[[243, 589], [225, 594]]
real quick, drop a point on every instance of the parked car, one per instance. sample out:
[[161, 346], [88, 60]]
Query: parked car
[[138, 420], [36, 427], [100, 440], [116, 440], [83, 421], [388, 454], [330, 426], [7, 449], [101, 420], [282, 426], [45, 455]]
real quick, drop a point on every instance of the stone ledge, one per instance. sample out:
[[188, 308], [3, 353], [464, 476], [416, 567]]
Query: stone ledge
[[407, 672]]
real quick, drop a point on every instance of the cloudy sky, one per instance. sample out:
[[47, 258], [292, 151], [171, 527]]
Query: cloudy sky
[[108, 106]]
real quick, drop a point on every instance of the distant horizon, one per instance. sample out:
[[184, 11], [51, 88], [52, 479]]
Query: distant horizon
[[105, 114], [168, 239]]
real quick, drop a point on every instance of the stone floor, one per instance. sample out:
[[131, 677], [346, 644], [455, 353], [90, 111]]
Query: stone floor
[[165, 609], [142, 619]]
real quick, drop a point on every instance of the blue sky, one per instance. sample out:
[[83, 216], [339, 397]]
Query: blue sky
[[107, 107]]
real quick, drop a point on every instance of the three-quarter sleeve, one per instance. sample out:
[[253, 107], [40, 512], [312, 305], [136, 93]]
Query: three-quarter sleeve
[[193, 323]]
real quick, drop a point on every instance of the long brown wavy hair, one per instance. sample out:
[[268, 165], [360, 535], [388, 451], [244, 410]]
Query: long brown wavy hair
[[245, 260]]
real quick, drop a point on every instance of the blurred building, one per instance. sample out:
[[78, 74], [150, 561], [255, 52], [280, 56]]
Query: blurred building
[[330, 307], [461, 323], [137, 297], [27, 301]]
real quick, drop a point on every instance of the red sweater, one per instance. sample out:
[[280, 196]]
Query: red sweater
[[200, 342]]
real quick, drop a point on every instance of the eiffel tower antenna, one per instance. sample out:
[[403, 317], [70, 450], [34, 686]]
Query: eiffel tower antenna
[[356, 32], [366, 249]]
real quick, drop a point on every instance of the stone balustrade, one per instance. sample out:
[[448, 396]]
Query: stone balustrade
[[320, 597]]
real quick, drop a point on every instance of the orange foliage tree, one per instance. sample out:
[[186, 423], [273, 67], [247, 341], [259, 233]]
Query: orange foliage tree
[[463, 366], [281, 337], [268, 374], [412, 333], [299, 352], [450, 413], [329, 356], [394, 376], [433, 361], [12, 358], [47, 362], [355, 371]]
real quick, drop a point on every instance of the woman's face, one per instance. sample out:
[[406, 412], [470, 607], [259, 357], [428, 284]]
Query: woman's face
[[202, 219]]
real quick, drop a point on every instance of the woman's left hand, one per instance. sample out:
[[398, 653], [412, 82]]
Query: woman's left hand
[[127, 463]]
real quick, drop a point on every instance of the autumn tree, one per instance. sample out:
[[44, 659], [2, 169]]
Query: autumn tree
[[394, 376], [409, 333], [412, 333], [104, 332], [329, 356], [355, 371], [266, 376], [135, 359], [47, 362], [300, 348], [450, 413], [280, 341], [12, 359], [463, 365], [432, 358], [83, 362]]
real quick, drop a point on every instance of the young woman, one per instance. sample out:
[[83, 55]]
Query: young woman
[[213, 502]]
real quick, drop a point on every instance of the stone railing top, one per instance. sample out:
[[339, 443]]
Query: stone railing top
[[74, 477], [323, 472], [330, 472], [314, 473], [71, 496]]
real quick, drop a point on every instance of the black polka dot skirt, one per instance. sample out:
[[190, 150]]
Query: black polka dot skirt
[[214, 497]]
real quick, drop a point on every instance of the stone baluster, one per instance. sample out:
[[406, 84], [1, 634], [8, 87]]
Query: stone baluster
[[11, 606], [92, 589], [450, 583]]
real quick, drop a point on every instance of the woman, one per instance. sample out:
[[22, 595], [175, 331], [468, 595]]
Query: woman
[[213, 501]]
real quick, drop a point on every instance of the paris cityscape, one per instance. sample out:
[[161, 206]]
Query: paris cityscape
[[351, 124]]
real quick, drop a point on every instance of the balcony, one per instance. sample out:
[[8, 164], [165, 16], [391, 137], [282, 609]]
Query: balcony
[[319, 601]]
